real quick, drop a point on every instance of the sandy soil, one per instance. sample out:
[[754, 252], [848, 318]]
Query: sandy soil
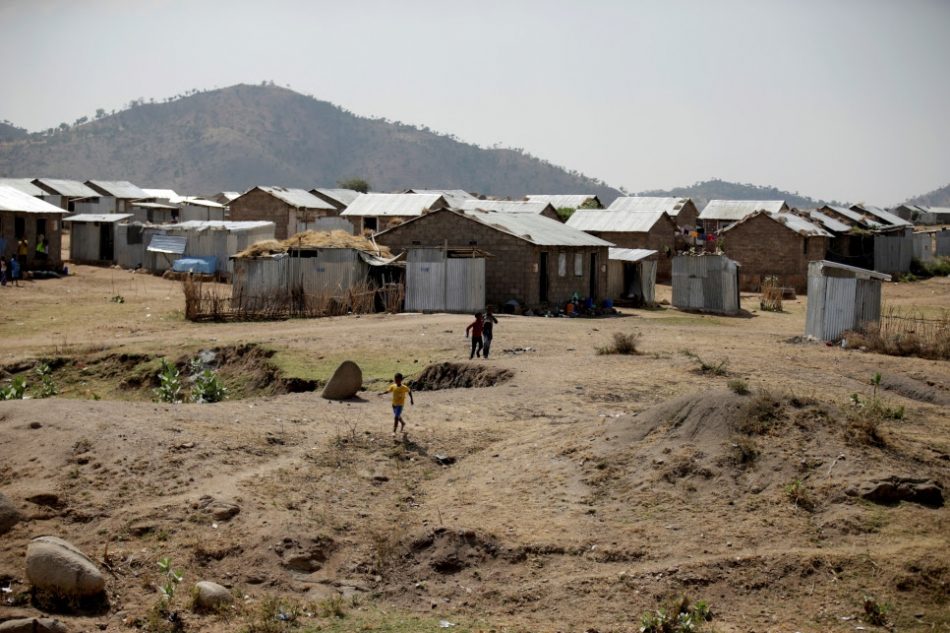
[[585, 491]]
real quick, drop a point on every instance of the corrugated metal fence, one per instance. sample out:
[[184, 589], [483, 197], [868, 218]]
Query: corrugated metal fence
[[437, 283], [839, 303], [893, 253], [709, 283]]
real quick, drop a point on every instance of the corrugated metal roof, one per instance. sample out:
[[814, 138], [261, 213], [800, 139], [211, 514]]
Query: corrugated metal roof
[[118, 189], [68, 188], [881, 214], [166, 194], [860, 273], [648, 204], [536, 229], [452, 193], [735, 210], [199, 202], [854, 216], [154, 205], [23, 184], [614, 221], [98, 217], [794, 222], [937, 210], [201, 225], [833, 225], [343, 196], [506, 206], [298, 198], [15, 200], [229, 195], [173, 244], [393, 204], [629, 254], [567, 201]]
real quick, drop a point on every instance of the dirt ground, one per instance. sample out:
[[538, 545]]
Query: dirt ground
[[582, 492]]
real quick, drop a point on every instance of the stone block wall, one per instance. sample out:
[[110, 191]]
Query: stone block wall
[[260, 205]]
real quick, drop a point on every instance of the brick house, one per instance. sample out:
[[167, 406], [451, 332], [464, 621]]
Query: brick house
[[372, 212], [681, 210], [718, 214], [510, 206], [779, 244], [291, 210], [632, 229], [23, 216], [535, 260]]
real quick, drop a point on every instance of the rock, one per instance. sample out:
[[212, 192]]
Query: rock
[[48, 500], [894, 489], [55, 565], [33, 625], [346, 381], [35, 425], [211, 595], [223, 511], [443, 460], [9, 515]]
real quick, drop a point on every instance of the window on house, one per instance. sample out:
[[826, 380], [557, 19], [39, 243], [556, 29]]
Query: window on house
[[804, 246], [562, 265], [19, 228], [578, 264]]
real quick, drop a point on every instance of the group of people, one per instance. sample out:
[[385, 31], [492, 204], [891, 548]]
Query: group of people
[[481, 330], [10, 271], [13, 267]]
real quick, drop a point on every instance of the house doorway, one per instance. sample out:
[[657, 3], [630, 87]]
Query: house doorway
[[543, 277], [593, 276], [106, 244]]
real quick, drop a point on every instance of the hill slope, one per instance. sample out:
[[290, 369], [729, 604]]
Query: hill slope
[[703, 192], [10, 132], [936, 198], [244, 135]]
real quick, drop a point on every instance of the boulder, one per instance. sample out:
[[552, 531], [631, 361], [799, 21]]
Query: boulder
[[55, 565], [223, 511], [33, 625], [211, 595], [9, 515], [894, 489], [346, 381]]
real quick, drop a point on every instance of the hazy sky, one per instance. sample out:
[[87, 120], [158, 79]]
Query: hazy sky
[[845, 99]]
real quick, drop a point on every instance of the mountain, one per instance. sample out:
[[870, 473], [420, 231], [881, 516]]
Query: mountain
[[10, 132], [703, 192], [241, 136], [936, 198]]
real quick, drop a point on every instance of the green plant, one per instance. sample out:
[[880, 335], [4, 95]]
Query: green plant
[[169, 388], [739, 386], [208, 388], [332, 607], [798, 494], [866, 416], [15, 390], [714, 368], [273, 615], [621, 344], [172, 579], [117, 299], [874, 612], [678, 616], [163, 618], [47, 386]]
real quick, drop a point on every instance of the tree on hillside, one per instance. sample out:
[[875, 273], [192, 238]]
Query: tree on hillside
[[356, 184], [100, 112]]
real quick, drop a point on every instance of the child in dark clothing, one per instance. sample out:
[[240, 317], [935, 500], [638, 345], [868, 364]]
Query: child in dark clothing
[[487, 328], [476, 329]]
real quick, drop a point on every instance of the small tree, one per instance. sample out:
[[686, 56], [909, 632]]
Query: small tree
[[356, 184], [100, 112]]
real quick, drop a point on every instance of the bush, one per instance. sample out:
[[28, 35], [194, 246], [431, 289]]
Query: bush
[[739, 386], [677, 617], [208, 387], [714, 368], [798, 494], [874, 612], [759, 414], [47, 386], [621, 344], [15, 390], [169, 387]]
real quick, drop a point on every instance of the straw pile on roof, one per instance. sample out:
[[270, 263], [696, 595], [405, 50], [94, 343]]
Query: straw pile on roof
[[315, 239]]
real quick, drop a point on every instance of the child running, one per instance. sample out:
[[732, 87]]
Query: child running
[[476, 329], [399, 392]]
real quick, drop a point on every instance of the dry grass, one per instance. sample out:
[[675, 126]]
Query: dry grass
[[316, 239], [621, 344], [905, 333], [771, 300]]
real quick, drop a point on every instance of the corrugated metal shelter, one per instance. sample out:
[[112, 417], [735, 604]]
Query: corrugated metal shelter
[[377, 211], [631, 276], [339, 198], [568, 201], [682, 210], [719, 213], [510, 206], [841, 298], [893, 252], [445, 280], [92, 236], [121, 193], [852, 217], [25, 185], [885, 218], [931, 244], [706, 283]]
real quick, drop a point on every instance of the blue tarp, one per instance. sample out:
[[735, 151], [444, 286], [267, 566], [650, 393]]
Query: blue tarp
[[202, 265]]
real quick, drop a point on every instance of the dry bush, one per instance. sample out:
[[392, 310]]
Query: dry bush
[[905, 333], [759, 414], [771, 299], [621, 344]]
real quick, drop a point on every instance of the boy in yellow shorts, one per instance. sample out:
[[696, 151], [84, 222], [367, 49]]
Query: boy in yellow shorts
[[399, 392]]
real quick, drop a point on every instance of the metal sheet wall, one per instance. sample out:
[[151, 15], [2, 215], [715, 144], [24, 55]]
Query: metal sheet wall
[[708, 283], [84, 241], [923, 247], [943, 244], [465, 284], [838, 304], [648, 281], [893, 253], [425, 280]]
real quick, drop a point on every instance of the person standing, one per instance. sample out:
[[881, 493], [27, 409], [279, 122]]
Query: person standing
[[487, 326], [475, 327], [15, 270], [41, 250], [23, 249], [399, 391]]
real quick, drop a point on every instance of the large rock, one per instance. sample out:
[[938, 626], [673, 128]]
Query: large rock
[[211, 595], [894, 489], [9, 515], [55, 565], [346, 381], [33, 625]]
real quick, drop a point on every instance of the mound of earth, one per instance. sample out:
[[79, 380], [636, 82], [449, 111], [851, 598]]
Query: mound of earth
[[450, 551], [920, 390], [459, 375]]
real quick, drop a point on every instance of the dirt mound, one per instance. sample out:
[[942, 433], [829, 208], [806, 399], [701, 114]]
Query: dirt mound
[[919, 390], [459, 375], [449, 552]]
